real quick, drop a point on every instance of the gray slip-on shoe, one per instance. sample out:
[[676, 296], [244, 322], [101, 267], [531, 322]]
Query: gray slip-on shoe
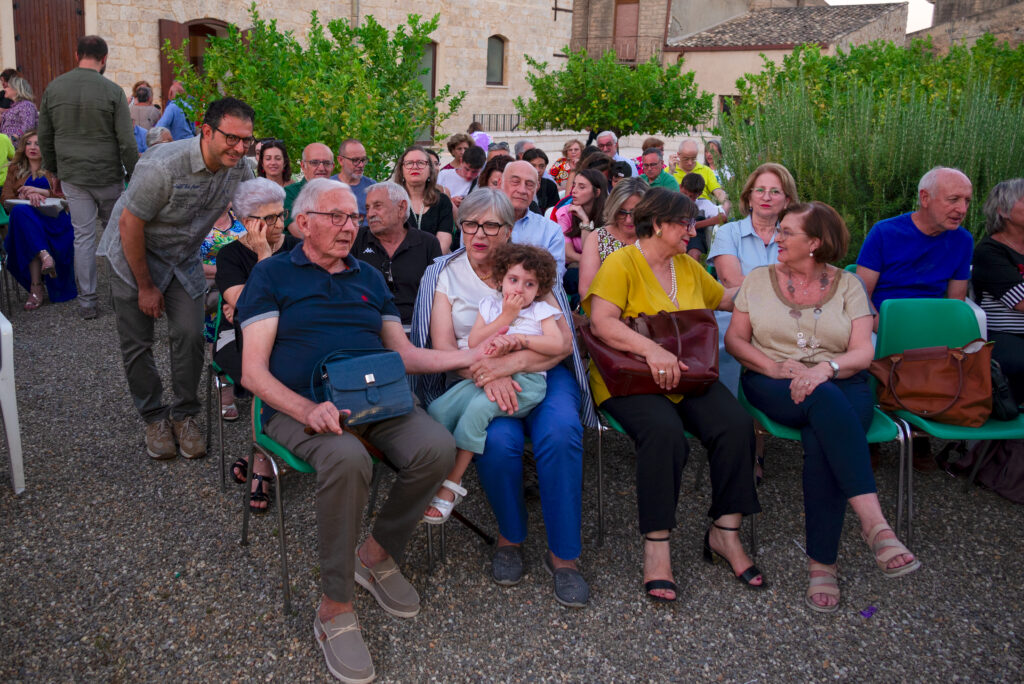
[[507, 565], [570, 588], [341, 641], [392, 591]]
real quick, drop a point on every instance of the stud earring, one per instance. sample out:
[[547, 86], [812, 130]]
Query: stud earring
[[658, 232]]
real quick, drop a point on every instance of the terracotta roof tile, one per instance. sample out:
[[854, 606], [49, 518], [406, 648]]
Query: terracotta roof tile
[[787, 25]]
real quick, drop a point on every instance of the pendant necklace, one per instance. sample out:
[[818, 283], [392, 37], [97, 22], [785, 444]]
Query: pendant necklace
[[672, 272], [808, 345]]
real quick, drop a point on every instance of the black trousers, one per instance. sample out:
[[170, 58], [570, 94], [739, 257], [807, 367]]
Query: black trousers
[[658, 428]]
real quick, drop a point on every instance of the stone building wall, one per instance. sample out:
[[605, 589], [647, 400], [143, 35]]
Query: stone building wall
[[130, 27], [890, 26], [1005, 23]]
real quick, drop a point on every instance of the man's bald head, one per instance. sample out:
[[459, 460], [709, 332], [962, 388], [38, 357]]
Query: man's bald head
[[688, 155], [944, 194], [317, 161]]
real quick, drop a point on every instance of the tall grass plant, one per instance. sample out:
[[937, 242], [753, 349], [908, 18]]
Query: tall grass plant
[[865, 154]]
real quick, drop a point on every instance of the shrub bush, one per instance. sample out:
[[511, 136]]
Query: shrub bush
[[859, 130]]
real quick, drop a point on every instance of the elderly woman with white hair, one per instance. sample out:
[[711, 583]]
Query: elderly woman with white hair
[[998, 278], [23, 115], [258, 205]]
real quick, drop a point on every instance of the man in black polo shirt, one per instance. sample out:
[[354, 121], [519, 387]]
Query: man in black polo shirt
[[387, 244], [296, 308]]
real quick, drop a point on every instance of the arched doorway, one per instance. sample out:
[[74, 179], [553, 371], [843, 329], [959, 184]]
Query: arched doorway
[[198, 33]]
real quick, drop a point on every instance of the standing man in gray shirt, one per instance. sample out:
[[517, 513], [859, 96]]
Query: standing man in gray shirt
[[87, 139], [152, 241]]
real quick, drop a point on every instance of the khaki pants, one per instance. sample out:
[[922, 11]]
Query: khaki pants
[[90, 209], [421, 449], [185, 330]]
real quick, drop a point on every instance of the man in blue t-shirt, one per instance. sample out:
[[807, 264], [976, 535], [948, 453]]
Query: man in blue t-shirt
[[925, 253], [296, 308]]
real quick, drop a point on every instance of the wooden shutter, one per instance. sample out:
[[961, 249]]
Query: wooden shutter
[[176, 33], [627, 25], [46, 34]]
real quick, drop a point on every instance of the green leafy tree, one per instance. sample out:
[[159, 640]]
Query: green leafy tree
[[860, 128], [347, 82], [603, 94]]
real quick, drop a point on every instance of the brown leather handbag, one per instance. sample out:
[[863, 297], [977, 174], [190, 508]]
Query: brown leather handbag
[[946, 385], [691, 335]]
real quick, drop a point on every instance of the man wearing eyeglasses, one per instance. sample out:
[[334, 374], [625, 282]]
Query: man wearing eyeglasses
[[686, 162], [294, 310], [387, 244], [608, 143], [351, 162], [654, 169], [152, 242], [316, 162]]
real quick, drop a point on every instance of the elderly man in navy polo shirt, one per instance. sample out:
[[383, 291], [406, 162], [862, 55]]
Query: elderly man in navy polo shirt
[[297, 307]]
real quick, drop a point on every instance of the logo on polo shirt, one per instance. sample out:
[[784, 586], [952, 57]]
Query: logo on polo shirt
[[368, 250]]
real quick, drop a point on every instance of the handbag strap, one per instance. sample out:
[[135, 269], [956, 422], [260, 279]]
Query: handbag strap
[[679, 335], [958, 357]]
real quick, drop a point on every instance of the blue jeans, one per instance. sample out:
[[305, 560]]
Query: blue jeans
[[833, 423], [557, 435]]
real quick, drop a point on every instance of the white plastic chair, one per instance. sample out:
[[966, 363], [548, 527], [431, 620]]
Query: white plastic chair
[[9, 405]]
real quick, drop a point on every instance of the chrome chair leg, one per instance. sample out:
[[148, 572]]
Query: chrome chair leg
[[281, 535], [600, 485]]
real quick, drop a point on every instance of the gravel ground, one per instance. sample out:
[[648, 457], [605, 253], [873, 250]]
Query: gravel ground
[[118, 568]]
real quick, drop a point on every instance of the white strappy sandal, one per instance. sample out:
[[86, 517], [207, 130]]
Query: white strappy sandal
[[443, 505]]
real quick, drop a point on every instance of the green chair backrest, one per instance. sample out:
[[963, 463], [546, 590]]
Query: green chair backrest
[[293, 461], [916, 323], [852, 268]]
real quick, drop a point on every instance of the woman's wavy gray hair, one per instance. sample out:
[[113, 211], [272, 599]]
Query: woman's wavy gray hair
[[1000, 203], [483, 200], [21, 88], [252, 194]]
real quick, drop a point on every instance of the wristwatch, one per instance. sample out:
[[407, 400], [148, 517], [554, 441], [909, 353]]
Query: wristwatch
[[835, 369]]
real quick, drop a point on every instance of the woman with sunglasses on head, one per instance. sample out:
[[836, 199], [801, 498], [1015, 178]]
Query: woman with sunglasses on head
[[655, 274], [616, 229], [430, 209], [802, 330], [274, 162], [259, 207]]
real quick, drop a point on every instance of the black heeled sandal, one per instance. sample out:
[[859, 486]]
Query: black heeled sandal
[[259, 496], [747, 576], [240, 470], [664, 584]]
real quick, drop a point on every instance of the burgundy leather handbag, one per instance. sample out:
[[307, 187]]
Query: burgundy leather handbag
[[691, 335]]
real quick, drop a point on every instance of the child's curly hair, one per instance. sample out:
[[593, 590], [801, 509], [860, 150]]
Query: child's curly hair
[[534, 259]]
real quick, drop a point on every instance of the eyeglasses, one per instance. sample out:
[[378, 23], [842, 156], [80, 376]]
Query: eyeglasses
[[606, 145], [773, 193], [623, 213], [653, 165], [338, 218], [786, 233], [385, 268], [271, 219], [490, 228], [358, 161], [233, 140], [416, 164], [326, 163], [692, 158]]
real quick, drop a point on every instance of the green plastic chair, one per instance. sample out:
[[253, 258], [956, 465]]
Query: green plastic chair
[[852, 268], [883, 429], [214, 370], [914, 323], [269, 448]]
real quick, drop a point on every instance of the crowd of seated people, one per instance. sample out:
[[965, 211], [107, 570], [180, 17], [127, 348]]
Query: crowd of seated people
[[461, 270]]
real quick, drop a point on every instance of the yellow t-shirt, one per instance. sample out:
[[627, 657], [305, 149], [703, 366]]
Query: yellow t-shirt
[[710, 182], [626, 280], [775, 327]]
